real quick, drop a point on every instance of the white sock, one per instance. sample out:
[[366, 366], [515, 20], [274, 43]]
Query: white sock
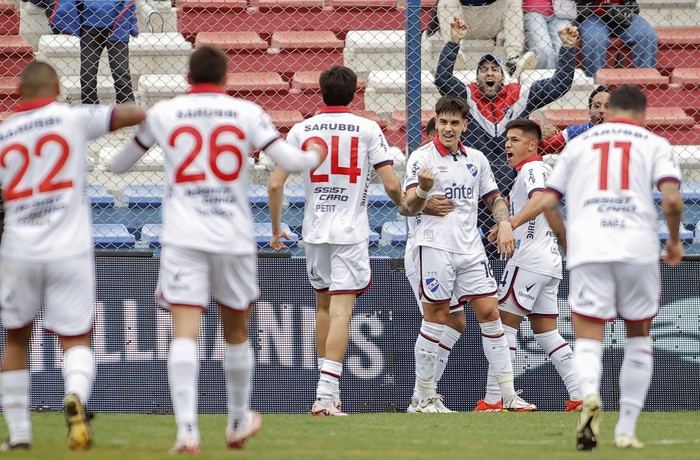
[[588, 356], [497, 353], [183, 369], [562, 357], [79, 372], [447, 340], [426, 355], [493, 390], [328, 383], [320, 363], [238, 365], [635, 376], [15, 405]]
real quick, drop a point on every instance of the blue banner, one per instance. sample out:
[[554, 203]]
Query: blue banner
[[131, 338]]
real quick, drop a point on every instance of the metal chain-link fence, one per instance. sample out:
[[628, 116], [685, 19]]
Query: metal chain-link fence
[[277, 49]]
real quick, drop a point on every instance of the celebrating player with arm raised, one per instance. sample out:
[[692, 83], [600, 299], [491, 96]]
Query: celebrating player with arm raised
[[336, 227], [208, 241]]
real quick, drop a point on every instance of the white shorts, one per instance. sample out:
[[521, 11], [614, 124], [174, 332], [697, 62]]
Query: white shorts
[[525, 293], [187, 275], [409, 266], [67, 287], [339, 268], [445, 274], [596, 288]]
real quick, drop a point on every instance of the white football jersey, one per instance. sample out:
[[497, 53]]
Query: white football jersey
[[607, 175], [536, 247], [335, 211], [207, 137], [463, 178], [43, 170]]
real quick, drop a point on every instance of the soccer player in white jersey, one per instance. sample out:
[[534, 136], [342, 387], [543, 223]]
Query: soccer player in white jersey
[[450, 256], [335, 229], [531, 278], [47, 244], [608, 175], [208, 239]]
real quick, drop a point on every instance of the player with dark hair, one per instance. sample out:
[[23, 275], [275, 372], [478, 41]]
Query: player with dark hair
[[336, 226], [597, 110], [46, 250], [531, 278], [449, 254], [612, 244], [208, 240]]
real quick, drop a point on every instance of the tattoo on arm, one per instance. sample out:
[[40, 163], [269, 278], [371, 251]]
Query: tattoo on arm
[[499, 208]]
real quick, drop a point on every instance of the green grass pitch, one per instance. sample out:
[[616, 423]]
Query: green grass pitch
[[506, 436]]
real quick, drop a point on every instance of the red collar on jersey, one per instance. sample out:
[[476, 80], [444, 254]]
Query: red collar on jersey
[[532, 158], [206, 88], [33, 104], [623, 120], [444, 151], [336, 109]]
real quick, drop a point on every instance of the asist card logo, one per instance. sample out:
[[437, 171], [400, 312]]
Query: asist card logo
[[472, 169], [432, 284], [442, 169]]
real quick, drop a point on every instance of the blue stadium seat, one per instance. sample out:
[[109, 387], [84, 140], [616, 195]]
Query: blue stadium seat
[[685, 234], [257, 196], [374, 238], [263, 234], [376, 196], [295, 195], [150, 233], [143, 195], [112, 236], [99, 196], [394, 233], [132, 218]]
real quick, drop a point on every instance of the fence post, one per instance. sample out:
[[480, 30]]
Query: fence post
[[413, 75]]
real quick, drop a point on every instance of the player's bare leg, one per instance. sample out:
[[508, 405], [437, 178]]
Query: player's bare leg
[[588, 356], [635, 376], [15, 388], [183, 370], [435, 317], [78, 375], [560, 353], [238, 364], [323, 322], [340, 313], [497, 351]]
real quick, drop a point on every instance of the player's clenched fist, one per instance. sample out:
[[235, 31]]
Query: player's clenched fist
[[426, 179]]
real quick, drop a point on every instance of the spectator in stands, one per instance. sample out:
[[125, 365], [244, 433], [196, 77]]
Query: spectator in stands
[[597, 111], [542, 26], [601, 19], [484, 20], [100, 24], [492, 104]]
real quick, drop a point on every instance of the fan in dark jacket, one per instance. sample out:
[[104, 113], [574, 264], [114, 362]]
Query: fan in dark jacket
[[602, 19]]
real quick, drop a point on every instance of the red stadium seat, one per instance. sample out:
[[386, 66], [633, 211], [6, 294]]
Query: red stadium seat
[[398, 118], [365, 4], [9, 19], [690, 78], [255, 82], [221, 6], [306, 41], [292, 4], [678, 47], [232, 41], [9, 93], [285, 119], [307, 92], [641, 78], [15, 54]]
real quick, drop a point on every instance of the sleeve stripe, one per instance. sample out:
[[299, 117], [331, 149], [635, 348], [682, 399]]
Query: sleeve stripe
[[111, 115], [556, 192], [410, 186], [539, 189], [667, 179], [488, 195], [272, 141], [140, 144], [384, 163]]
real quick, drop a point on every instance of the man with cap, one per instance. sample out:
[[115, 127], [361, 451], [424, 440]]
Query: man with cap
[[493, 103]]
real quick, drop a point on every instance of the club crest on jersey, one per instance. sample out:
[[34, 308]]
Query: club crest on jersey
[[472, 169], [432, 284]]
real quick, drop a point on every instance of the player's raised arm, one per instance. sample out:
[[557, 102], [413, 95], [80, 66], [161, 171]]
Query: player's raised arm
[[134, 149], [275, 196], [125, 115]]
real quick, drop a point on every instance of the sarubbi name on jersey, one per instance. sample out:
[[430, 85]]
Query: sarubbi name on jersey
[[333, 127], [36, 124], [201, 112]]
